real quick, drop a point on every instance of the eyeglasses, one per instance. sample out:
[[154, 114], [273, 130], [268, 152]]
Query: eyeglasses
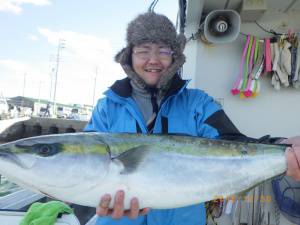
[[146, 54]]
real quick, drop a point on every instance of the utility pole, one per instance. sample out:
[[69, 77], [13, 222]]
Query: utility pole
[[61, 45], [51, 82], [95, 82], [24, 85], [39, 94]]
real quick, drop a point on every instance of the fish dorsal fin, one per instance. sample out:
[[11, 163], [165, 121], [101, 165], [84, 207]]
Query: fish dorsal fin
[[132, 157]]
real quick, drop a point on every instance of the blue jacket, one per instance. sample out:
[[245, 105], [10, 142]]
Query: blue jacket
[[183, 111]]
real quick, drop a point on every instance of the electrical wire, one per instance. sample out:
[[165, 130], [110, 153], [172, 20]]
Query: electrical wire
[[267, 31], [152, 6], [192, 37], [264, 29], [226, 4]]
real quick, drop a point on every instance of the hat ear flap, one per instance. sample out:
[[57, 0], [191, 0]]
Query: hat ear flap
[[181, 40], [123, 56]]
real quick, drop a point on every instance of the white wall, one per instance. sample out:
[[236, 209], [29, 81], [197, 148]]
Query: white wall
[[214, 70]]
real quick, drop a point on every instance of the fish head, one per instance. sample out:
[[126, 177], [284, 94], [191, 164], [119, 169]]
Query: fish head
[[59, 161]]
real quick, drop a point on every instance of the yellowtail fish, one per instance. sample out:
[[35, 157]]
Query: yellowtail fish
[[162, 171]]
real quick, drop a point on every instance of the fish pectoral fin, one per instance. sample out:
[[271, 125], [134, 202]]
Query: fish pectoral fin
[[132, 158]]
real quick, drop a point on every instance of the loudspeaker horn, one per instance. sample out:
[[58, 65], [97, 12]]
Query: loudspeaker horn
[[221, 26]]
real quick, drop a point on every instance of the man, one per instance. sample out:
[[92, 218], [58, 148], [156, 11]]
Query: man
[[154, 99]]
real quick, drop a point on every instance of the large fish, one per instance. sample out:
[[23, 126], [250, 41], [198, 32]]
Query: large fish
[[161, 171]]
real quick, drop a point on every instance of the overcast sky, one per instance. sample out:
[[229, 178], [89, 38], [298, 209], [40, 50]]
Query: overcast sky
[[91, 33]]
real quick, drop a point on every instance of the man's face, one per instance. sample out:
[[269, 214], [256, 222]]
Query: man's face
[[150, 61]]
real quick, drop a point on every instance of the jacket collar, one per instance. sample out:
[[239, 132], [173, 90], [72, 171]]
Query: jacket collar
[[123, 87]]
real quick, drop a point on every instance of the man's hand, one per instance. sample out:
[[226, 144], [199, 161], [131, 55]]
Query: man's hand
[[118, 207], [292, 155]]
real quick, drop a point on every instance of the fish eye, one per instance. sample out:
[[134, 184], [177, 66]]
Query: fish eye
[[45, 150]]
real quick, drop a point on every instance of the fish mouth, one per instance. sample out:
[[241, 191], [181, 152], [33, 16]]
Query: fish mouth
[[9, 156]]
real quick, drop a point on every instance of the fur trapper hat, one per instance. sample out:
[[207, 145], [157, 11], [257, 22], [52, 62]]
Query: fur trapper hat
[[154, 28]]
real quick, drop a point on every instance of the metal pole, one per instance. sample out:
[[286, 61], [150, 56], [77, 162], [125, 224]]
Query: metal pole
[[24, 84], [51, 82], [60, 46], [95, 81], [39, 94]]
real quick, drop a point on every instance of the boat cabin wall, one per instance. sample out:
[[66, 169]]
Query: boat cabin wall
[[214, 69]]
